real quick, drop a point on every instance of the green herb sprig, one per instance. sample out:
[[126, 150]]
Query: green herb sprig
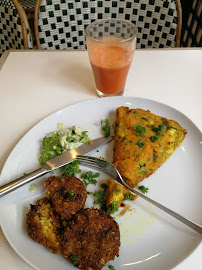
[[128, 196], [143, 189], [70, 192], [74, 259], [117, 191], [100, 194], [72, 168], [89, 178], [159, 129], [111, 267], [140, 143], [113, 207], [154, 138], [140, 130], [105, 127]]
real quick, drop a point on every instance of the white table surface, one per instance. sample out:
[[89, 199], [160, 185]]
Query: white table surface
[[35, 84]]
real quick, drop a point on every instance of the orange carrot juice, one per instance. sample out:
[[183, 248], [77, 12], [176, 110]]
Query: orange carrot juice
[[110, 64]]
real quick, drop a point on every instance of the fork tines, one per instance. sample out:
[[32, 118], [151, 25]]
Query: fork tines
[[92, 162]]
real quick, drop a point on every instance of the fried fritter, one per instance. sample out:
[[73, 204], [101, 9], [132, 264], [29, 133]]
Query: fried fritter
[[143, 142], [43, 226], [91, 239], [67, 194]]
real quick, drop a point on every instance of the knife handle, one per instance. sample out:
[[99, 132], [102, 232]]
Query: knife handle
[[22, 180]]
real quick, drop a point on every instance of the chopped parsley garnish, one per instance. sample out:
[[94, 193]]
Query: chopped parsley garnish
[[140, 130], [89, 178], [74, 259], [117, 191], [143, 189], [113, 207], [104, 186], [101, 197], [111, 267], [72, 168], [128, 196], [70, 192], [154, 138], [140, 143], [105, 127], [159, 129]]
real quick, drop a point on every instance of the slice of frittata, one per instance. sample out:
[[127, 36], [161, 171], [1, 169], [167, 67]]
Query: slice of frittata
[[143, 142], [116, 194]]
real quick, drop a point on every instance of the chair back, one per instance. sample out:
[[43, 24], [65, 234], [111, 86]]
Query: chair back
[[28, 4], [192, 30], [14, 27], [60, 24]]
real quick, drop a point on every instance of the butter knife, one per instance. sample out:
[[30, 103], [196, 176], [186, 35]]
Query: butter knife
[[54, 163]]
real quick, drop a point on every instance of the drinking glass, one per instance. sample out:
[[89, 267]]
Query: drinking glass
[[111, 44]]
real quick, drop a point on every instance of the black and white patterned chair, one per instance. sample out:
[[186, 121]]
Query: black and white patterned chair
[[192, 30], [14, 27], [60, 24], [28, 4]]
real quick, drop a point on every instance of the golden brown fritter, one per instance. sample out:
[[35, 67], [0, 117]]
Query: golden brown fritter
[[143, 142], [67, 194], [91, 239], [117, 194], [42, 225]]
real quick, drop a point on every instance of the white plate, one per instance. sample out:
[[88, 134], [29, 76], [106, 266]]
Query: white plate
[[151, 239]]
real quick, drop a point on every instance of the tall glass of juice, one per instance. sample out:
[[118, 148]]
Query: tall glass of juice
[[111, 44]]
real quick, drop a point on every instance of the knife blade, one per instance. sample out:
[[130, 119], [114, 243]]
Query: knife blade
[[54, 163]]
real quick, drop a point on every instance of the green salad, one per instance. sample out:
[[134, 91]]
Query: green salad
[[60, 141]]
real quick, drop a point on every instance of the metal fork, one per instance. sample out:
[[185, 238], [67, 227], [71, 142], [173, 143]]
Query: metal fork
[[111, 170]]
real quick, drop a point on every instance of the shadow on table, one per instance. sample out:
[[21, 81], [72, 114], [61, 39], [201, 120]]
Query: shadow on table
[[78, 75]]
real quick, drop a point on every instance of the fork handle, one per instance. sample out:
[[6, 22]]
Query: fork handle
[[186, 221]]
